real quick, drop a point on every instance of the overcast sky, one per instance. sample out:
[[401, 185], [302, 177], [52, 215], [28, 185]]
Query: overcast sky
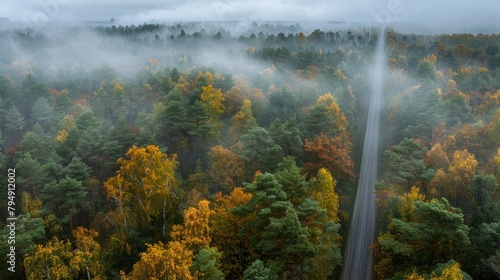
[[452, 14]]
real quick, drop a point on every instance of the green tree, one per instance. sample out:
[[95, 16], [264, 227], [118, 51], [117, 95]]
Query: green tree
[[31, 174], [257, 271], [172, 122], [293, 183], [317, 120], [434, 234], [288, 136], [482, 190], [242, 121], [65, 198], [42, 113], [259, 150], [36, 144], [14, 124], [276, 231], [323, 236], [205, 265], [405, 165]]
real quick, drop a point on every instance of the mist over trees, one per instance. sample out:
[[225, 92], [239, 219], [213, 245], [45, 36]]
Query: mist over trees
[[231, 151]]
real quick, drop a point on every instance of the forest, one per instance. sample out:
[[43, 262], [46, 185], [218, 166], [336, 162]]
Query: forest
[[206, 150]]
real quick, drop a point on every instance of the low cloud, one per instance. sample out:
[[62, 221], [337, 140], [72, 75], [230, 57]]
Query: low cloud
[[444, 15]]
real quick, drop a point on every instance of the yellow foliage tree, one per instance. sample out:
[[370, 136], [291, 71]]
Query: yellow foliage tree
[[414, 276], [88, 253], [65, 125], [226, 229], [324, 192], [52, 261], [454, 183], [144, 183], [436, 157], [163, 262], [242, 121], [407, 207], [29, 205], [452, 272], [212, 100], [226, 167], [195, 232], [334, 110]]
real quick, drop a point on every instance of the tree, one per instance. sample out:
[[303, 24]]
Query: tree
[[316, 121], [145, 183], [486, 240], [242, 121], [482, 190], [426, 67], [200, 128], [171, 120], [494, 263], [405, 164], [293, 183], [259, 150], [340, 120], [288, 136], [323, 191], [63, 103], [494, 128], [195, 231], [77, 170], [41, 112], [257, 271], [276, 231], [323, 236], [30, 230], [331, 153], [213, 100], [34, 144], [454, 184], [51, 261], [14, 124], [164, 262], [233, 99], [449, 271], [88, 253], [31, 175], [436, 157], [225, 233], [434, 234], [205, 265], [281, 105], [226, 168], [31, 90]]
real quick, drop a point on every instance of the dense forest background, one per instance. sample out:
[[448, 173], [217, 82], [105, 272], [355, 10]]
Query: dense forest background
[[206, 151]]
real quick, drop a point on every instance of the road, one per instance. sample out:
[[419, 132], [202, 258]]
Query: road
[[358, 257]]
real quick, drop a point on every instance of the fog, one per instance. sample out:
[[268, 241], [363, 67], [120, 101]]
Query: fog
[[419, 16]]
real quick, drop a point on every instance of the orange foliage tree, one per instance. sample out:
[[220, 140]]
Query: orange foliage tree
[[235, 249], [226, 168], [333, 153]]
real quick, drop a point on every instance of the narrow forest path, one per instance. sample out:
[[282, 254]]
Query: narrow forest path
[[357, 256]]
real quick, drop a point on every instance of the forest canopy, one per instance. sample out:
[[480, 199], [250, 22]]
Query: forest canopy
[[193, 151]]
